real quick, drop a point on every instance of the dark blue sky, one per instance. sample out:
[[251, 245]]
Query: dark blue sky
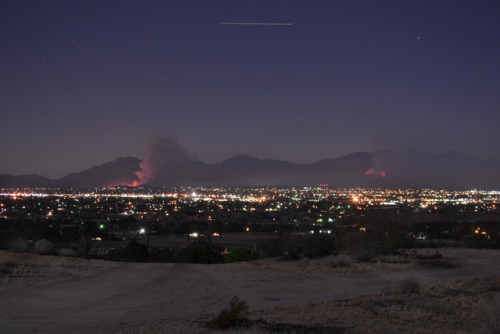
[[82, 82]]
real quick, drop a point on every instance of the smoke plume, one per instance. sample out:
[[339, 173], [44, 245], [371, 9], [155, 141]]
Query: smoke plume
[[380, 160], [160, 153]]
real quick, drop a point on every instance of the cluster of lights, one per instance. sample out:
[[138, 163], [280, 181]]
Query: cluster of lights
[[324, 204]]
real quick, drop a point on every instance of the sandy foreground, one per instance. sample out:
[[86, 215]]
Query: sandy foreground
[[64, 295]]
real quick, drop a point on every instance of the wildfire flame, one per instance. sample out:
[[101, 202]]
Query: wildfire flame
[[375, 172], [158, 153], [136, 183], [142, 175]]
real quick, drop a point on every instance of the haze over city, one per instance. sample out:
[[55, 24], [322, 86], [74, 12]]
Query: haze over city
[[84, 82]]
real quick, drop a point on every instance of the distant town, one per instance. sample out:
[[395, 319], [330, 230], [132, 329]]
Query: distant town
[[291, 205], [92, 222]]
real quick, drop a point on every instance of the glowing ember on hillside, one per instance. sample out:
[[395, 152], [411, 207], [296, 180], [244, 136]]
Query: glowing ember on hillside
[[143, 175], [375, 172], [135, 183]]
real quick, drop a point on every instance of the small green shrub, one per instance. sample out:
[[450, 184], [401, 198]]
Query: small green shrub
[[235, 315], [239, 254]]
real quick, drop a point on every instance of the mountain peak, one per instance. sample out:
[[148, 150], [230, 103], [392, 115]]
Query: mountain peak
[[414, 168], [240, 159]]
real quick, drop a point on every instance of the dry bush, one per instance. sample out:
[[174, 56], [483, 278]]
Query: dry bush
[[473, 306], [18, 245], [247, 330], [7, 268], [145, 329], [304, 262], [409, 285], [341, 260], [35, 260], [331, 265], [235, 315], [43, 246], [490, 315], [23, 268], [23, 258], [22, 271], [66, 252]]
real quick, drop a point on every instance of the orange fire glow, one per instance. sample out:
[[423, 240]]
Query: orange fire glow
[[135, 183], [375, 172]]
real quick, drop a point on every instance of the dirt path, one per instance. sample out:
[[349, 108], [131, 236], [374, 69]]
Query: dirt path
[[121, 295]]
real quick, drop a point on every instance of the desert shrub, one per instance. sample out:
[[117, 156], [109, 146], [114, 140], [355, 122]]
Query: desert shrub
[[201, 252], [366, 253], [317, 245], [340, 260], [235, 315], [490, 316], [362, 246], [483, 242], [304, 262], [290, 247], [293, 247], [268, 248], [136, 252], [162, 255], [65, 251], [43, 246], [117, 254], [153, 328], [371, 305], [18, 245], [239, 254], [409, 285], [7, 268], [492, 284], [372, 235], [428, 256], [283, 246]]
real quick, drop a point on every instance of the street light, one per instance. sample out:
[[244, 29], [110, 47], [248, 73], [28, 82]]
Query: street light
[[143, 231]]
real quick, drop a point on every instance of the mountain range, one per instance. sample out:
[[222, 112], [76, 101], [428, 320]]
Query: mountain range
[[385, 168]]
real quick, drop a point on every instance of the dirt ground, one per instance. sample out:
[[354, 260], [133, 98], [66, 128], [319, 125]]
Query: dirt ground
[[47, 294]]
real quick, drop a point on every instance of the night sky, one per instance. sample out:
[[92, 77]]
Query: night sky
[[83, 82]]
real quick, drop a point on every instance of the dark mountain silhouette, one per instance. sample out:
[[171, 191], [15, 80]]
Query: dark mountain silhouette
[[384, 168], [355, 162], [449, 170], [24, 181], [249, 171], [117, 172]]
